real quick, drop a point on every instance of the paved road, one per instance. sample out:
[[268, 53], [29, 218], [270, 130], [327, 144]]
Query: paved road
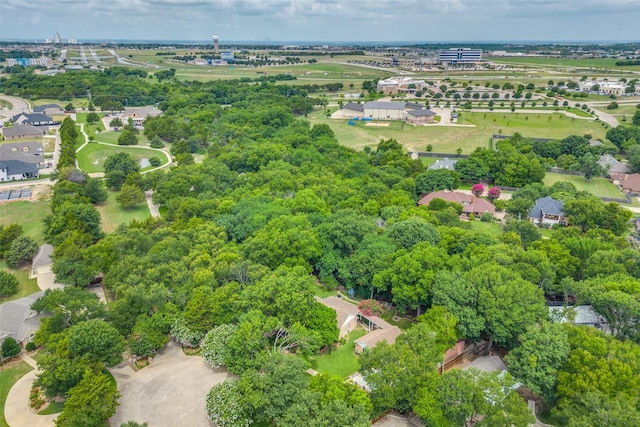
[[19, 105], [16, 409]]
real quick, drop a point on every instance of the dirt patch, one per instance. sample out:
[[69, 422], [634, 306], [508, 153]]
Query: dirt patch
[[378, 125]]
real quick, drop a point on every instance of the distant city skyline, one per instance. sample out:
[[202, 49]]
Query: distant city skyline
[[323, 20]]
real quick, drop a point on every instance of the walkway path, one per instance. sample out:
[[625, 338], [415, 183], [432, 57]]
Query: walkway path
[[153, 208], [16, 409]]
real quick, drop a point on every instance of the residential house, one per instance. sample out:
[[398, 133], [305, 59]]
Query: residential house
[[18, 320], [628, 182], [470, 203], [578, 315], [446, 163], [420, 117], [49, 109], [347, 313], [548, 210], [349, 317], [610, 164], [23, 131], [28, 152], [34, 119], [139, 115], [374, 337], [16, 170]]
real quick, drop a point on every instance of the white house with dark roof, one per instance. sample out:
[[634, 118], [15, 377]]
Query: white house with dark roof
[[446, 163], [548, 210], [16, 170], [34, 119]]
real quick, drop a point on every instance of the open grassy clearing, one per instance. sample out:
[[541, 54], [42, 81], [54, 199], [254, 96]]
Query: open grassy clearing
[[28, 214], [91, 158], [606, 63], [623, 109], [447, 139], [112, 214], [9, 375], [600, 187], [341, 361], [26, 286], [491, 228]]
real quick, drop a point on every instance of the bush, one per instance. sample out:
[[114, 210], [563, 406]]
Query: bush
[[155, 162], [30, 346], [371, 307], [486, 217], [156, 143], [10, 347]]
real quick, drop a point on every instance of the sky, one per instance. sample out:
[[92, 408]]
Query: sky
[[323, 20]]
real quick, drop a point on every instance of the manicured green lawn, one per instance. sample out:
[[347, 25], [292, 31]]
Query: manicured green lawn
[[112, 214], [8, 377], [579, 112], [341, 361], [26, 286], [403, 323], [490, 228], [91, 158], [53, 408], [600, 187], [28, 214]]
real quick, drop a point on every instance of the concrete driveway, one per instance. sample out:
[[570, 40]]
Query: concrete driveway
[[171, 391]]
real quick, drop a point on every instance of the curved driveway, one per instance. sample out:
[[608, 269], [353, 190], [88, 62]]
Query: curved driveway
[[18, 105]]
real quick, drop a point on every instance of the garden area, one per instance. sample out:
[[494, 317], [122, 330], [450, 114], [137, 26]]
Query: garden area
[[340, 361]]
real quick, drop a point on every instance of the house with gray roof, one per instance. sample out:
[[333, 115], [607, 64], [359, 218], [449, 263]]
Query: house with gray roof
[[446, 163], [23, 131], [29, 152], [49, 109], [34, 119], [611, 164], [384, 110], [16, 170], [18, 320], [548, 210]]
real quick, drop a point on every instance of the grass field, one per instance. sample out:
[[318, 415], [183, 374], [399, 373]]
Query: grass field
[[600, 187], [9, 375], [605, 63], [112, 214], [28, 214], [624, 109], [341, 361], [447, 139], [26, 286], [91, 158]]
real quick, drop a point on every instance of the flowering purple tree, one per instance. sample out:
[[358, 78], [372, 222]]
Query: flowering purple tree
[[493, 193], [477, 190]]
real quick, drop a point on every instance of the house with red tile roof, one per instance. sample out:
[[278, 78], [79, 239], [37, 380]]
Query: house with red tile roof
[[470, 203]]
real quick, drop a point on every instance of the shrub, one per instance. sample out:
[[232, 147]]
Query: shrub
[[8, 284], [371, 307], [10, 347], [30, 346], [155, 162]]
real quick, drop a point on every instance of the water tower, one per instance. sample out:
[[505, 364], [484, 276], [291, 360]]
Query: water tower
[[216, 48]]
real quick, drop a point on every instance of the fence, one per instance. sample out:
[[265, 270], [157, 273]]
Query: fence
[[430, 154]]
